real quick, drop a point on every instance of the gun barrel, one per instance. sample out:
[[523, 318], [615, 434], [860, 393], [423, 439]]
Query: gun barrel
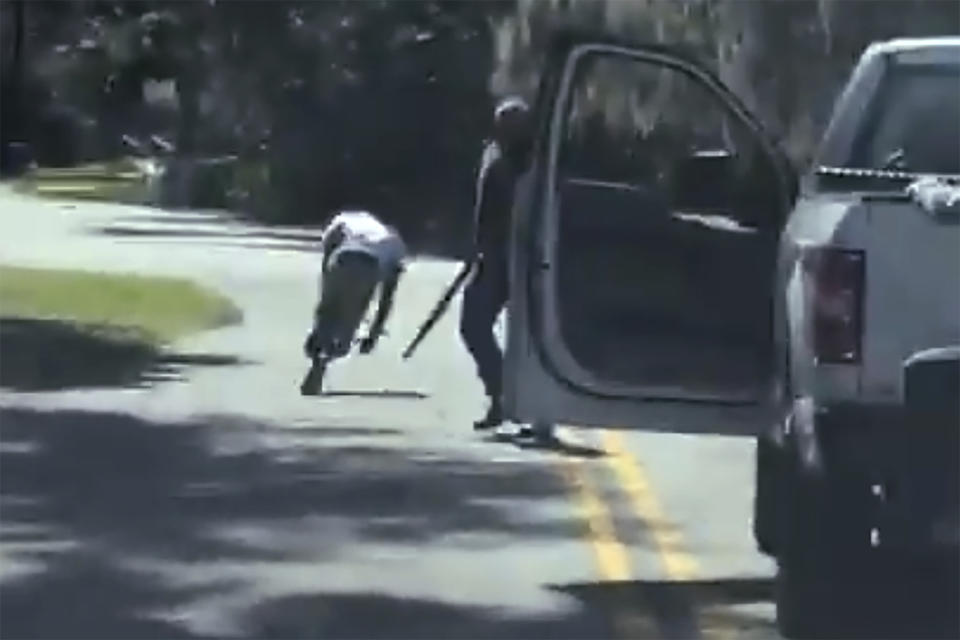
[[438, 310]]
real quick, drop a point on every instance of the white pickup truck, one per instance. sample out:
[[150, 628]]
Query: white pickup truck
[[671, 271]]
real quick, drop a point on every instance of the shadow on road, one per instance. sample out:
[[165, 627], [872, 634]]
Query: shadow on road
[[377, 615], [49, 355], [903, 607], [382, 393], [85, 596], [116, 527], [675, 607], [556, 445], [270, 246], [446, 243], [561, 446], [185, 231], [102, 513], [333, 432]]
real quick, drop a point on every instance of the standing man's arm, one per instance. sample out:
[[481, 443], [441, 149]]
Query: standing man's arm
[[493, 211], [484, 198]]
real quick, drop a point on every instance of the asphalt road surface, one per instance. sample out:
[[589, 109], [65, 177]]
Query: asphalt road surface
[[210, 500]]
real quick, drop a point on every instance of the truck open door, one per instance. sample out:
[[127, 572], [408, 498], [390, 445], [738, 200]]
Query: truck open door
[[644, 248]]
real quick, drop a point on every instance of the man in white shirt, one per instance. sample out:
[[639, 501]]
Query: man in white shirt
[[359, 253]]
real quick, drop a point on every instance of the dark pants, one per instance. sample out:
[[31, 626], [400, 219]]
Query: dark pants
[[483, 300]]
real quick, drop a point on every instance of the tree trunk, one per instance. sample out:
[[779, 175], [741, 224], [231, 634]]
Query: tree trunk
[[13, 129], [188, 95], [19, 35]]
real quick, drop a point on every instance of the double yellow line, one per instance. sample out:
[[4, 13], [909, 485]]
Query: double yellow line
[[678, 564], [613, 561], [612, 556]]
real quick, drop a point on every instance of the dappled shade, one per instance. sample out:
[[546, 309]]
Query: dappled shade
[[48, 355], [89, 496]]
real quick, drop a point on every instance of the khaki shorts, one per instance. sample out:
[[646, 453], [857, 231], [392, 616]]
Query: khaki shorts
[[345, 293]]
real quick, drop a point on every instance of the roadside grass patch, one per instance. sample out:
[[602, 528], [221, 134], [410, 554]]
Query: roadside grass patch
[[155, 309], [119, 180]]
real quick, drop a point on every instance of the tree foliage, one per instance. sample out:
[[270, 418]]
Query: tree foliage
[[374, 103], [785, 59], [382, 103]]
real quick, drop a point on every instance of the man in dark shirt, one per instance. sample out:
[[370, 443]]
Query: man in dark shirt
[[504, 159]]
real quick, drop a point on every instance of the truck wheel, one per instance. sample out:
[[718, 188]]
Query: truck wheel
[[819, 580], [803, 606], [771, 466], [832, 594], [804, 589], [765, 497]]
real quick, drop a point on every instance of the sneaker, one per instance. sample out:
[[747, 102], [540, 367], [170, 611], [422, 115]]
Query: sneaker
[[540, 432], [494, 418]]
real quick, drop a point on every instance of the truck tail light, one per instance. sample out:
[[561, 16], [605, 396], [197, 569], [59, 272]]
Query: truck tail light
[[838, 290]]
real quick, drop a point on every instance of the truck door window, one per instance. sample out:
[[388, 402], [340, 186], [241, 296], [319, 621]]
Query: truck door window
[[667, 223]]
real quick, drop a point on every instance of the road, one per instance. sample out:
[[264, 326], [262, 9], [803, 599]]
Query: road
[[211, 500]]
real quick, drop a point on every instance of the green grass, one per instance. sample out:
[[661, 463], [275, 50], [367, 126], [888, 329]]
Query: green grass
[[120, 180], [160, 309]]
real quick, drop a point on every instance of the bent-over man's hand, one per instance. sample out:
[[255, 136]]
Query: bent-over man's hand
[[368, 343]]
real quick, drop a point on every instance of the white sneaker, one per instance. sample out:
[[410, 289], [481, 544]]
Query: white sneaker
[[540, 431]]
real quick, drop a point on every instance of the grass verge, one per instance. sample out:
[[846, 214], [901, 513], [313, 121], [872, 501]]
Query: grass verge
[[159, 309], [120, 180]]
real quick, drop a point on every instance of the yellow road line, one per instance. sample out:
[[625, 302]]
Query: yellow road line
[[612, 558], [678, 564]]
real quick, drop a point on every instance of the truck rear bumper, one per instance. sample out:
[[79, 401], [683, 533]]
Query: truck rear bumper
[[892, 471]]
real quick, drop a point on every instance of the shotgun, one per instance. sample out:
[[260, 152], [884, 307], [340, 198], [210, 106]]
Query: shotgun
[[438, 310]]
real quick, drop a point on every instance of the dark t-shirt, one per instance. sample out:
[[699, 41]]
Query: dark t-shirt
[[496, 180]]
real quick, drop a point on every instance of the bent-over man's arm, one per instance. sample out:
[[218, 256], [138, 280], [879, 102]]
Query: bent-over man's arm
[[385, 306], [333, 235]]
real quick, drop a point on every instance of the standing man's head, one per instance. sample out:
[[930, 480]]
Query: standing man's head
[[511, 124]]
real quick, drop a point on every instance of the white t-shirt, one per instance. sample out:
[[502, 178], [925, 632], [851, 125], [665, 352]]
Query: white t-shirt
[[364, 233]]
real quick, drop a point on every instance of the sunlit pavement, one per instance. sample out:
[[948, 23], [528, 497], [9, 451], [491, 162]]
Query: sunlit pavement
[[214, 501]]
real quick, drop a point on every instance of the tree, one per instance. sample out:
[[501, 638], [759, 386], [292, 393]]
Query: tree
[[786, 60], [379, 104], [11, 120]]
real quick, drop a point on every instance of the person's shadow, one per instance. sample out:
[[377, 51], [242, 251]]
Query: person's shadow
[[553, 443]]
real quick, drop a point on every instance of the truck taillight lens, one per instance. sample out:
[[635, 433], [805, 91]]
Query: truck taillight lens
[[838, 288]]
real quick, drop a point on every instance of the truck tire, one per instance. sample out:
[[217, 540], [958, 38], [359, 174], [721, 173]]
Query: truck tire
[[804, 588], [771, 463], [819, 580], [765, 498], [829, 593]]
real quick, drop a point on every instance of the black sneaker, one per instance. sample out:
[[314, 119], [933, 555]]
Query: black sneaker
[[493, 419]]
